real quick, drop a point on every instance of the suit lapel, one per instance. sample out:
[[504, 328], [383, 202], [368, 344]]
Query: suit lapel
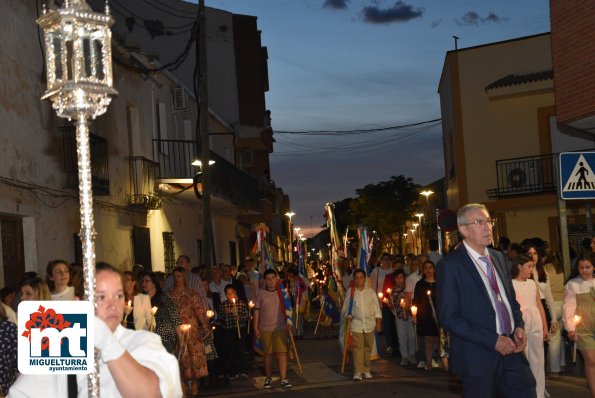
[[470, 267]]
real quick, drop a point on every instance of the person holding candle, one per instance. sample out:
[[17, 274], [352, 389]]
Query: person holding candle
[[191, 350], [133, 363], [527, 295], [424, 298], [166, 318], [378, 277], [233, 317], [403, 319], [137, 313], [579, 313], [364, 317]]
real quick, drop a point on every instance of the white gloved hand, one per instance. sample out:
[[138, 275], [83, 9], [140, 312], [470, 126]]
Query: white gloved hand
[[106, 342]]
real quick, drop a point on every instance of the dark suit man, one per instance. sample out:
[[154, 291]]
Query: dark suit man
[[477, 306]]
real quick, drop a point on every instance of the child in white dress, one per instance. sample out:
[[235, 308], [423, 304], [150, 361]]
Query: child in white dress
[[527, 295]]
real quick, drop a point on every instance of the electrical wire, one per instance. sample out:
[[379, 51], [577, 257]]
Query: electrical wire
[[357, 131], [169, 12]]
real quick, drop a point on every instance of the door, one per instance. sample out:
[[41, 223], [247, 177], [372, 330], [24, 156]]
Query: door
[[13, 254], [141, 246]]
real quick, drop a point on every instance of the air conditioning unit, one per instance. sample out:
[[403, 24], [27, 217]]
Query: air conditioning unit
[[525, 178], [180, 99]]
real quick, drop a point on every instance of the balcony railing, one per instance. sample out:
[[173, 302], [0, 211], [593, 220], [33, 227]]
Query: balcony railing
[[99, 161], [175, 158], [525, 176]]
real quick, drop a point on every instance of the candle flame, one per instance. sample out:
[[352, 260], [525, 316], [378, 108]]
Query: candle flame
[[389, 290], [210, 314], [576, 319], [251, 304], [380, 294], [429, 292], [233, 300], [130, 303], [154, 310], [414, 310], [185, 327], [402, 302]]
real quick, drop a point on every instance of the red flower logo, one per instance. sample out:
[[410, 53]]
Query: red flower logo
[[43, 319]]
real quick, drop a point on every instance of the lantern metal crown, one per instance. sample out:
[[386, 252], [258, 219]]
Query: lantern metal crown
[[78, 59]]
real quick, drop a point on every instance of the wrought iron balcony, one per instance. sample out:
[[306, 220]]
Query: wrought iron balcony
[[142, 184], [175, 159], [99, 161], [525, 176]]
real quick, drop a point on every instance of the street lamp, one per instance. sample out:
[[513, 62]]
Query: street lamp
[[79, 76], [427, 194], [414, 240], [290, 214], [421, 230]]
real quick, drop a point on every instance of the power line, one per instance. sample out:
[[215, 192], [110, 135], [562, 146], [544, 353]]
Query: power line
[[357, 131]]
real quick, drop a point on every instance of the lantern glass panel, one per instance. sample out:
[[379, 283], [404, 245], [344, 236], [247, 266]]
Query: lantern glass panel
[[69, 60], [98, 51], [88, 58], [57, 51]]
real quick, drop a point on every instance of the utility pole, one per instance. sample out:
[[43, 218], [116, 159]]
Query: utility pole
[[203, 89]]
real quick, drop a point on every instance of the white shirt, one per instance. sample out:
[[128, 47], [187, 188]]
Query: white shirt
[[482, 270], [364, 312], [220, 288], [144, 346], [573, 287], [377, 277], [411, 281], [64, 295], [142, 312]]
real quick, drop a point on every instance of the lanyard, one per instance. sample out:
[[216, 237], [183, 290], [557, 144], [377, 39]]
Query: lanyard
[[494, 285]]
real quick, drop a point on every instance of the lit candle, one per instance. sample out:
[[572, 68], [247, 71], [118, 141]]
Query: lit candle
[[130, 303], [251, 304], [153, 321], [154, 311], [385, 300], [210, 314], [576, 319], [389, 291], [402, 303], [235, 311], [380, 295], [414, 311], [429, 292]]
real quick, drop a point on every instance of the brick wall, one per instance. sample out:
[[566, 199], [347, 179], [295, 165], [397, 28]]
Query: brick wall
[[573, 51]]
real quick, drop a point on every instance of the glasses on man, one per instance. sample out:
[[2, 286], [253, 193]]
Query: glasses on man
[[481, 223]]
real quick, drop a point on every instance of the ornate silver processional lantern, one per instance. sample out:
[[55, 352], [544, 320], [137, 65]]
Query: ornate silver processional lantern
[[80, 86]]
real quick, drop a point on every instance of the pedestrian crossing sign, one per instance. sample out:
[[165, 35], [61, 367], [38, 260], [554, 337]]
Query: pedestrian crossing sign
[[577, 180]]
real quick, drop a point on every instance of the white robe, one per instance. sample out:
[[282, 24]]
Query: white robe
[[144, 346]]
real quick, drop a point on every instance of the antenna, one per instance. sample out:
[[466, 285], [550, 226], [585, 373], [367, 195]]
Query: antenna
[[456, 42]]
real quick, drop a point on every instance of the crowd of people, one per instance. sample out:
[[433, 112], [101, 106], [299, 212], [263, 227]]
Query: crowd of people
[[480, 311]]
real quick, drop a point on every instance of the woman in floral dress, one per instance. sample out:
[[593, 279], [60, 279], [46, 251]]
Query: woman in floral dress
[[191, 352]]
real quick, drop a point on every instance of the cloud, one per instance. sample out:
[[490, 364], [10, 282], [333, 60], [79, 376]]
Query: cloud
[[400, 12], [336, 4], [436, 23], [472, 18]]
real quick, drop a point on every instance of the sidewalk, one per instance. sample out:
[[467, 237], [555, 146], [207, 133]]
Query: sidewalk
[[321, 362]]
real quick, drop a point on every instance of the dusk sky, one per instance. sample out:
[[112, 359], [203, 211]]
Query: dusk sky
[[364, 64]]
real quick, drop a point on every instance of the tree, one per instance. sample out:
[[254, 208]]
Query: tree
[[385, 207]]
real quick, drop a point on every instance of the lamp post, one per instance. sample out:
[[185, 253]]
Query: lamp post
[[414, 240], [290, 214], [421, 231], [404, 248], [78, 60], [427, 194]]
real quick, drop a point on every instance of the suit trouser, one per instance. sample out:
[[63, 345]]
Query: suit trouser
[[510, 377], [362, 349]]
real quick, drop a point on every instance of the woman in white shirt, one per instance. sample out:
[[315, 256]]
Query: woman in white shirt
[[137, 314], [132, 363], [579, 313], [58, 280]]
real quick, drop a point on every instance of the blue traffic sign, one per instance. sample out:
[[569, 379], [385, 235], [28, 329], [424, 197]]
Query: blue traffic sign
[[577, 180]]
